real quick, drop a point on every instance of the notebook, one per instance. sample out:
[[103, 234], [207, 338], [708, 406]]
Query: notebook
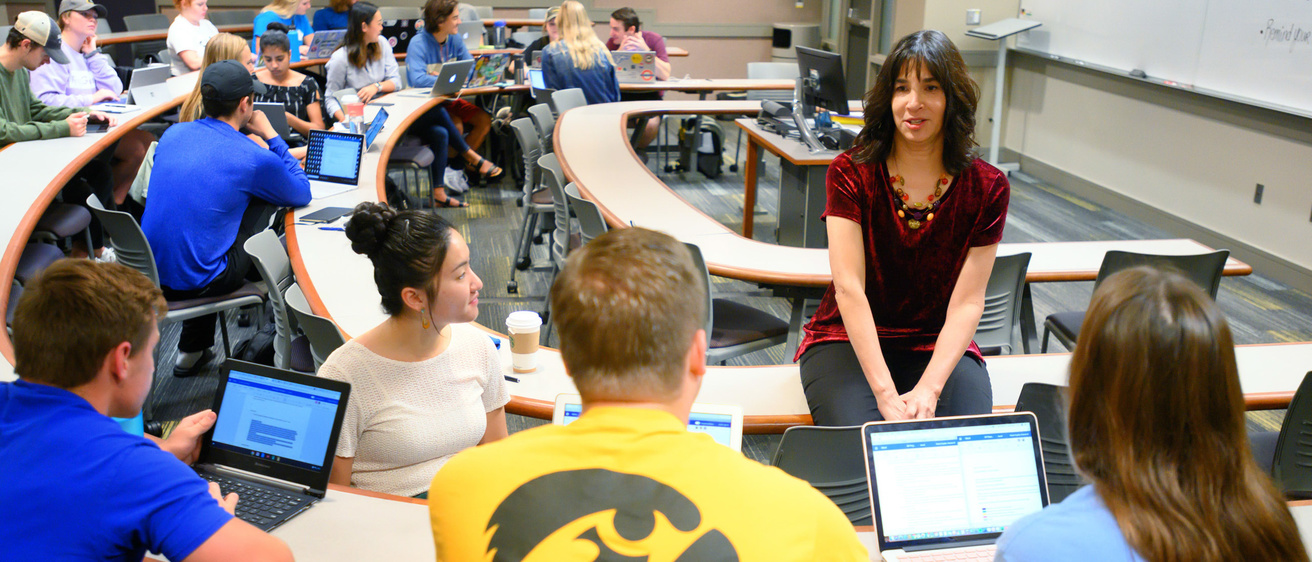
[[722, 423], [375, 127], [147, 85], [451, 77], [489, 70], [325, 42], [634, 67], [400, 32], [332, 162], [273, 441], [951, 485]]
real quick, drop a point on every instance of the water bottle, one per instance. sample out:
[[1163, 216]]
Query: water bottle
[[499, 34]]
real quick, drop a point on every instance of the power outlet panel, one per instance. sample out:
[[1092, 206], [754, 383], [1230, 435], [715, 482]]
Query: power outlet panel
[[1257, 194], [972, 16]]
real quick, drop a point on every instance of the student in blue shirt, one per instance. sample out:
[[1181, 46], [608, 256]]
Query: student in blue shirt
[[76, 486], [580, 59], [290, 13], [211, 188], [1156, 422], [336, 16]]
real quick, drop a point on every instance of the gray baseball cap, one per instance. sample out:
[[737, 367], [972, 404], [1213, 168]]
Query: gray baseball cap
[[43, 31], [82, 6]]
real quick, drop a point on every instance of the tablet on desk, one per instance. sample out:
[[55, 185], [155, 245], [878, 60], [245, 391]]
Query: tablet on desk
[[326, 215]]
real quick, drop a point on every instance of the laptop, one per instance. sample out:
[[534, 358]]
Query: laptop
[[332, 162], [537, 59], [634, 67], [471, 32], [489, 70], [722, 423], [277, 114], [274, 440], [452, 77], [537, 84], [400, 32], [147, 85], [325, 42], [951, 485], [374, 128]]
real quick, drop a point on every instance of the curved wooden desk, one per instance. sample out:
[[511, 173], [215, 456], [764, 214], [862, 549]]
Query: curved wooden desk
[[159, 34]]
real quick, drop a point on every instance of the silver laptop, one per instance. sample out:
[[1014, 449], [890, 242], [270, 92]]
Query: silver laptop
[[332, 162], [723, 423], [951, 485], [148, 87], [277, 114], [451, 77], [471, 32], [634, 67], [274, 440], [325, 42]]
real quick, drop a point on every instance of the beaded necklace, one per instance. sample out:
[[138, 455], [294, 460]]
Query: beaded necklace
[[917, 214]]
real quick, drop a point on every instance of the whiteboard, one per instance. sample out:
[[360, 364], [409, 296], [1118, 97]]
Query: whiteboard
[[1258, 51]]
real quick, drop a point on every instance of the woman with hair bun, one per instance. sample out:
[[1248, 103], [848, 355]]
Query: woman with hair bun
[[1156, 424], [425, 384]]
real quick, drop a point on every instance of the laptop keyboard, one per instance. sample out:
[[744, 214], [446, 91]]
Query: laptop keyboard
[[259, 505], [974, 553]]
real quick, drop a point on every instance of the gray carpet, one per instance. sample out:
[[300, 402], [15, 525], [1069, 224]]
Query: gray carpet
[[1260, 310]]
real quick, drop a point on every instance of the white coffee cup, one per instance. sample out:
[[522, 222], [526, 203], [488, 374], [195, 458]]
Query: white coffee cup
[[524, 327]]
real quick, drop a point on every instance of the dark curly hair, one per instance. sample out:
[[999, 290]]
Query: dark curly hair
[[406, 247], [932, 51]]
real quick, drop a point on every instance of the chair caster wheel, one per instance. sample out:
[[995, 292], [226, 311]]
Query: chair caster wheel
[[537, 239], [512, 288], [733, 167], [519, 202], [523, 264], [244, 319]]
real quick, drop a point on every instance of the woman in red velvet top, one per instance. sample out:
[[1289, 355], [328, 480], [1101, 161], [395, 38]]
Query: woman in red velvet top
[[914, 220]]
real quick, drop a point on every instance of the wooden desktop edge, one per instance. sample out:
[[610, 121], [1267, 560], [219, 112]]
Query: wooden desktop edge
[[14, 249], [156, 35]]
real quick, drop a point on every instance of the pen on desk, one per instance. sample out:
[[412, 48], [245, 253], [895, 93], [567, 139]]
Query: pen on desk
[[511, 379], [337, 228]]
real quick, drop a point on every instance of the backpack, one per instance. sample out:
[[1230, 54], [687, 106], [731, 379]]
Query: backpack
[[701, 146], [259, 347]]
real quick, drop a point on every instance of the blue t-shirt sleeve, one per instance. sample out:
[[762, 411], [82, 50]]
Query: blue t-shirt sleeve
[[170, 505], [262, 21]]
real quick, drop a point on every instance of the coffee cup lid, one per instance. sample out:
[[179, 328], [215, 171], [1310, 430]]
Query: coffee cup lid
[[524, 319]]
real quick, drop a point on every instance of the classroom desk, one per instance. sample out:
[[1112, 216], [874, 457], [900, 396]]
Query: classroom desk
[[119, 37], [801, 189], [35, 171]]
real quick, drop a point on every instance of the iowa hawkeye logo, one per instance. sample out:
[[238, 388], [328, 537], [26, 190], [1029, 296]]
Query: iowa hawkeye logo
[[601, 515]]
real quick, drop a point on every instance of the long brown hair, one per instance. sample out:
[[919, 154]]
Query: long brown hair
[[224, 46], [932, 51], [357, 52], [1157, 424]]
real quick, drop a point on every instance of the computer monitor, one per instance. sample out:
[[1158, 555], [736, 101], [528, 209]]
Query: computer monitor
[[822, 81]]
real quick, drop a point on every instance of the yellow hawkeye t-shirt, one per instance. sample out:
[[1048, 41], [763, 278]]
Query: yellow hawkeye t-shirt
[[628, 483]]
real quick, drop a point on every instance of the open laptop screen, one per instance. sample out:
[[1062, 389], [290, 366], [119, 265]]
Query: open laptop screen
[[953, 479], [279, 421], [333, 157]]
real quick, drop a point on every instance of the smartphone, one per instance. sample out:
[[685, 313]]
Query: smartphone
[[381, 103], [94, 127]]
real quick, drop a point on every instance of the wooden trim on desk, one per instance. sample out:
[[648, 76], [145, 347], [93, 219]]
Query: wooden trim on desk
[[161, 34], [14, 249], [372, 494]]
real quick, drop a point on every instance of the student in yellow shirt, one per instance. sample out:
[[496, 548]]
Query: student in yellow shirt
[[627, 479]]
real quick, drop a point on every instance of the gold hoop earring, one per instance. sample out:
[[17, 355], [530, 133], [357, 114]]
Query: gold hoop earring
[[423, 317]]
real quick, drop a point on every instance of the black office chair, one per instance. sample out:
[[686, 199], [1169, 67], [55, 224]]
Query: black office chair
[[732, 328], [1292, 468], [1203, 269], [829, 459], [1047, 403]]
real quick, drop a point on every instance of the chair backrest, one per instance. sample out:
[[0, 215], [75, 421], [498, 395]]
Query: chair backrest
[[15, 292], [830, 459], [164, 56], [127, 239], [591, 223], [546, 123], [996, 332], [1048, 403], [484, 12], [270, 258], [537, 13], [232, 17], [525, 37], [102, 27], [554, 179], [1292, 470], [1203, 269], [777, 70], [568, 99], [530, 145], [324, 336], [146, 22], [700, 263], [469, 12], [401, 12]]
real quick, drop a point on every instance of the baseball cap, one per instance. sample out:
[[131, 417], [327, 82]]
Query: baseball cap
[[43, 31], [228, 80], [82, 6], [552, 12]]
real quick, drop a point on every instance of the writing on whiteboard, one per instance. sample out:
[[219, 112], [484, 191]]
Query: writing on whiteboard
[[1290, 33]]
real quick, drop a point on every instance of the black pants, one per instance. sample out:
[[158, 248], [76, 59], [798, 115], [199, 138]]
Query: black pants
[[93, 178], [838, 394], [198, 333]]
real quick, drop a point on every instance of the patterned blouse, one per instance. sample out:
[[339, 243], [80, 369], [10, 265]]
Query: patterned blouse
[[294, 98]]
